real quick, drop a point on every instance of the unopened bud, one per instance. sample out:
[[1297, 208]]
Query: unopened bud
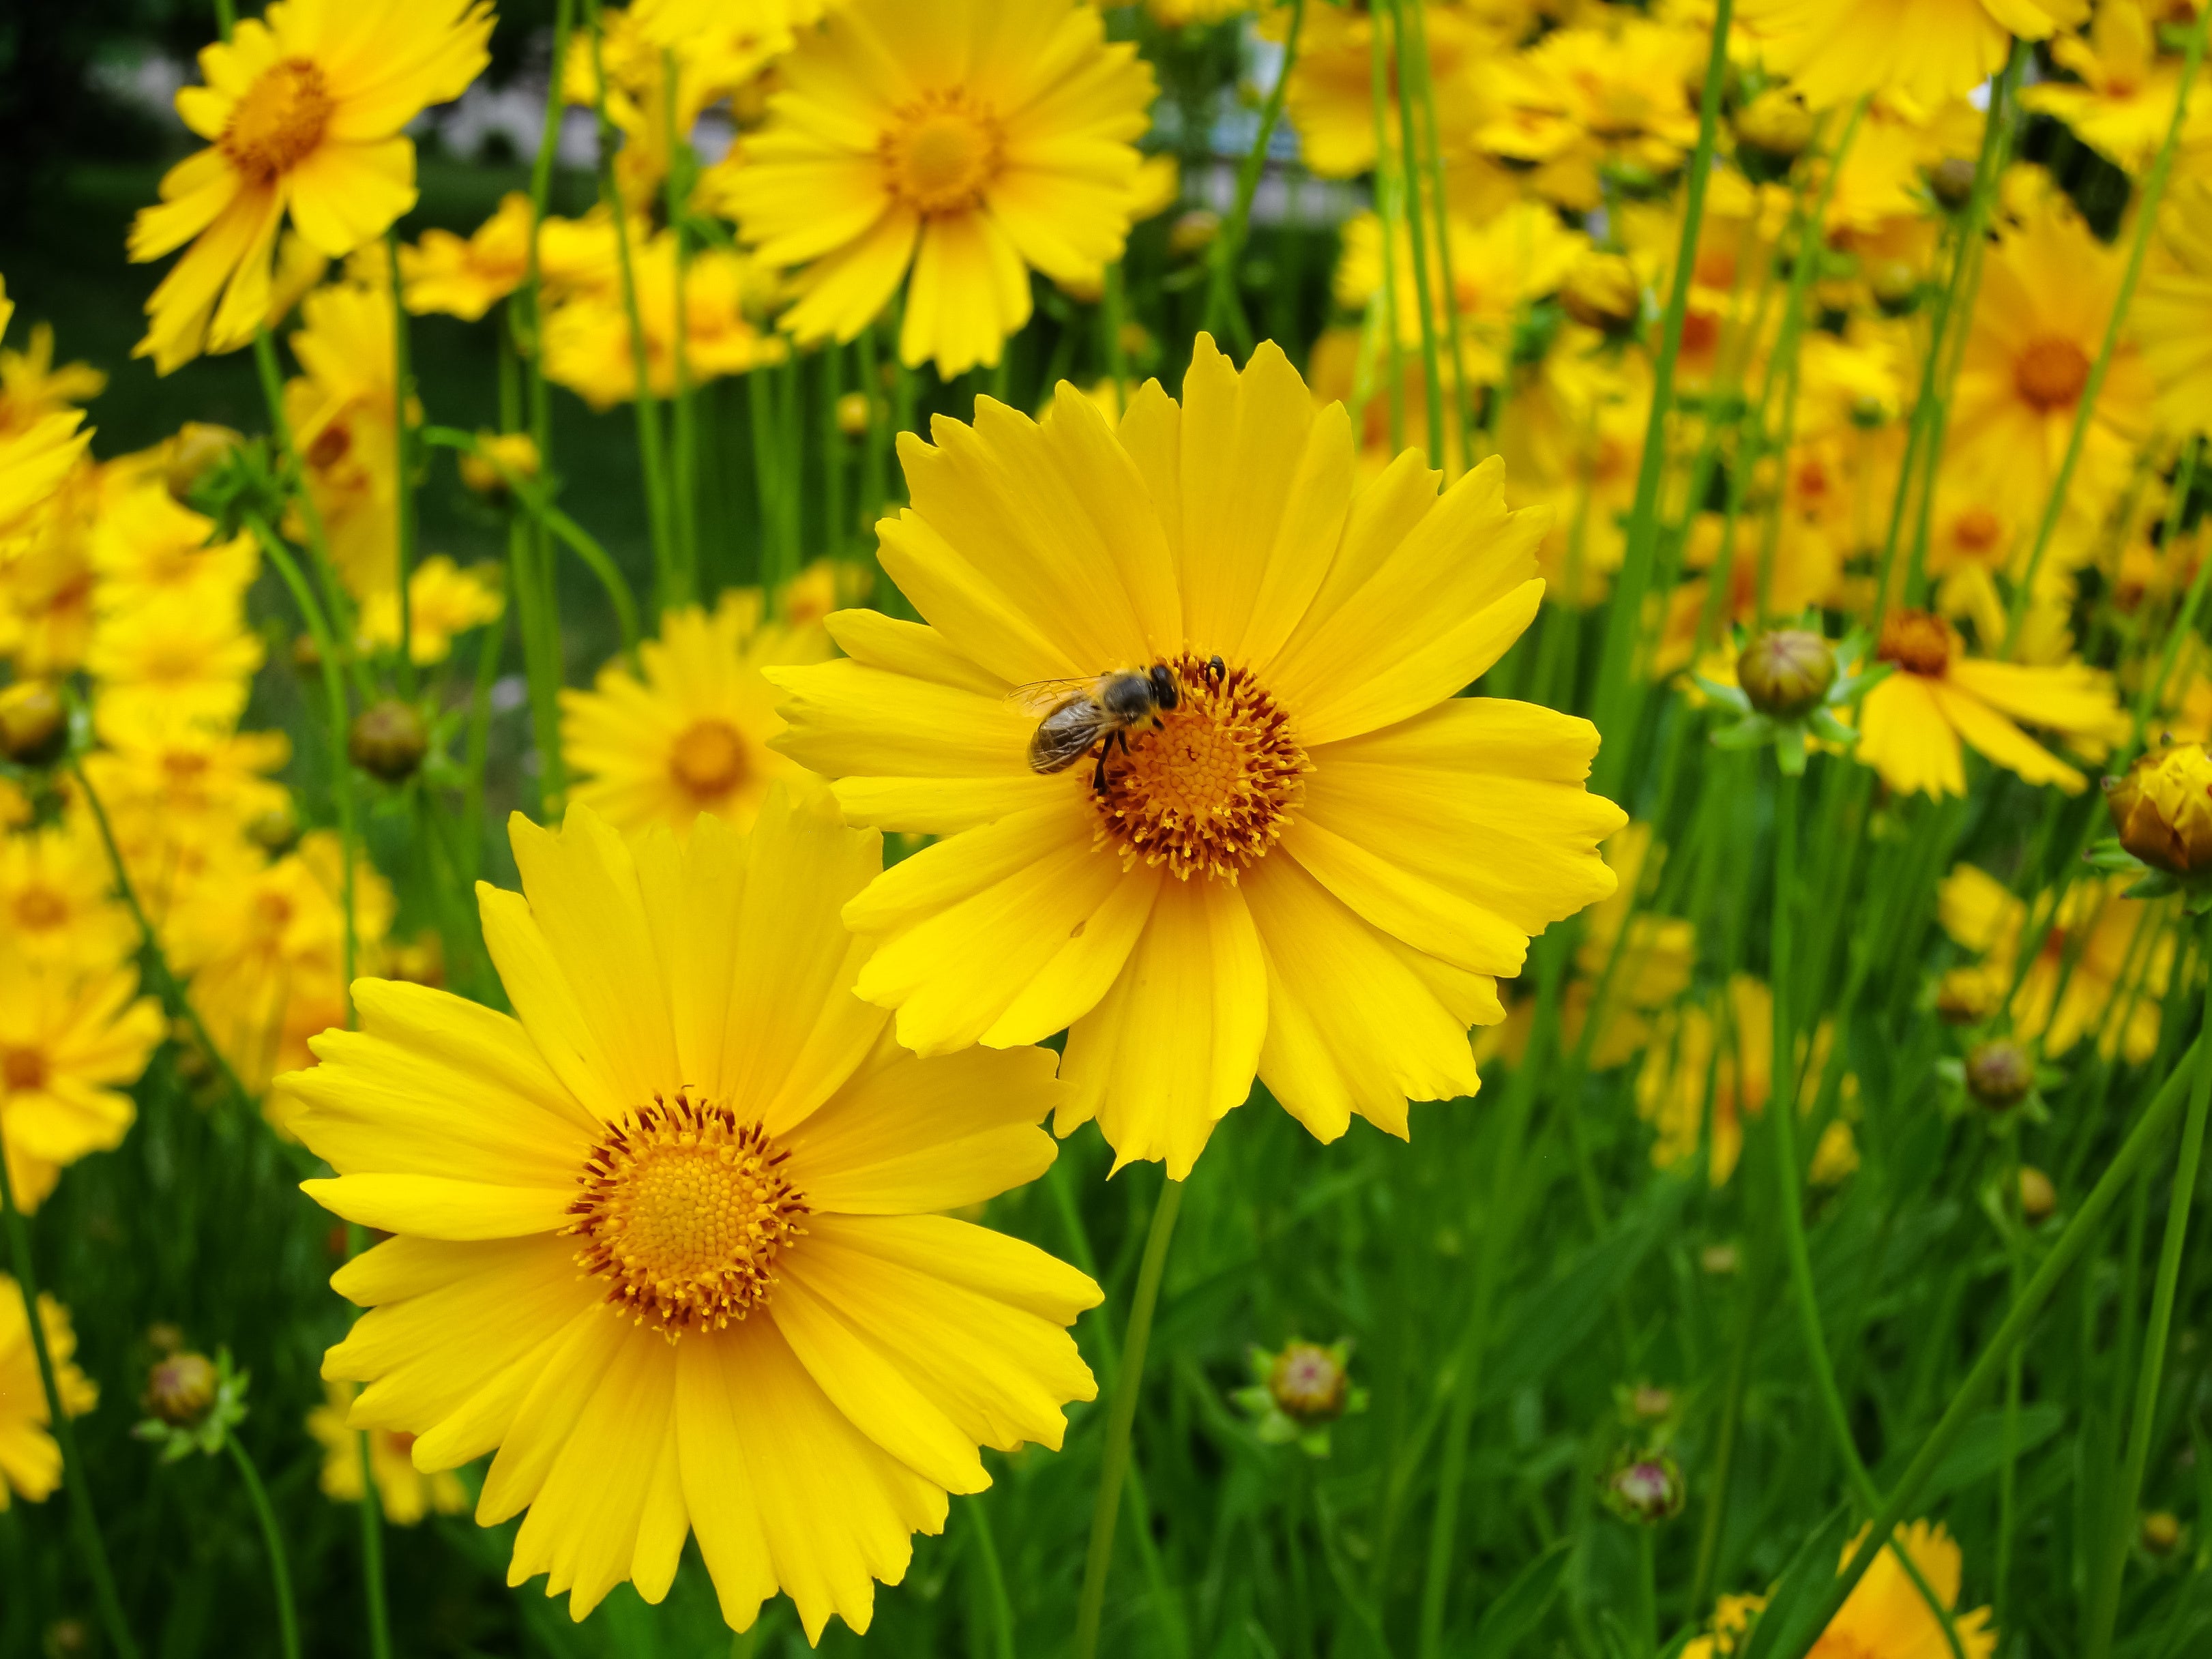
[[164, 1337], [1786, 672], [853, 414], [2000, 1075], [1776, 122], [70, 1639], [275, 830], [34, 723], [1895, 285], [1649, 1404], [1952, 181], [1602, 292], [180, 1390], [2162, 1532], [497, 455], [1193, 232], [2162, 808], [388, 740], [1648, 1489], [196, 451], [2037, 1197], [1308, 1383], [307, 655]]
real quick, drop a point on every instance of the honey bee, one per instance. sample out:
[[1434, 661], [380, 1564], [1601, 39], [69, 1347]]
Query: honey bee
[[1081, 716]]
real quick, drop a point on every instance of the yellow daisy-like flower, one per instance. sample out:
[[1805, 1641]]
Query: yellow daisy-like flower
[[2173, 313], [1913, 723], [1930, 50], [1312, 865], [176, 788], [690, 734], [147, 548], [197, 659], [71, 1041], [304, 111], [1723, 1045], [2099, 969], [588, 343], [1885, 1613], [972, 142], [670, 1240], [46, 583], [1582, 99], [32, 389], [30, 1461], [35, 457], [2121, 103], [404, 1493], [443, 600], [1331, 98], [341, 413], [465, 277], [57, 904]]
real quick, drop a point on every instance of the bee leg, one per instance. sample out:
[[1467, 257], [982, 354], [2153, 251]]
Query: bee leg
[[1098, 773]]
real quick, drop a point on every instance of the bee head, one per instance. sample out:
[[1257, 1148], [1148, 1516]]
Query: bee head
[[1164, 696]]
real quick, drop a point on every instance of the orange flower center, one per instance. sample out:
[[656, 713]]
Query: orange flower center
[[708, 760], [684, 1212], [37, 908], [22, 1069], [2051, 373], [1917, 641], [1212, 788], [942, 153], [279, 122], [1976, 530]]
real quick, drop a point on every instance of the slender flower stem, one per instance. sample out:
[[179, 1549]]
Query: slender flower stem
[[82, 1521], [402, 460], [371, 1515], [2154, 191], [1409, 175], [2105, 1592], [2184, 620], [1422, 91], [1121, 1423], [684, 430], [1616, 672], [1389, 201], [272, 1536], [994, 1581], [1112, 304], [1224, 307], [2142, 1140]]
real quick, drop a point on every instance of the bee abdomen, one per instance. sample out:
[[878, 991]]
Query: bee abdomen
[[1063, 735]]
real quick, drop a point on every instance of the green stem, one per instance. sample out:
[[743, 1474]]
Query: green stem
[[402, 463], [370, 1511], [1121, 1423], [272, 1536], [684, 488], [1225, 306], [2153, 190], [82, 1521], [1739, 1371], [1423, 92], [994, 1581], [1624, 620], [1409, 174], [2105, 1595], [835, 529], [1112, 305], [1389, 201]]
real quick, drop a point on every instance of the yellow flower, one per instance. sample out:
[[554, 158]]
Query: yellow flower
[[71, 1041], [341, 412], [303, 109], [1913, 722], [691, 735], [2047, 289], [1929, 51], [30, 1462], [465, 277], [587, 339], [2122, 101], [442, 600], [970, 145], [775, 1340], [2172, 312], [403, 1491], [1582, 99], [149, 550], [47, 578], [1723, 1045], [2162, 808], [57, 897], [1314, 867], [176, 788], [1331, 101], [197, 659], [1654, 962], [33, 390], [35, 456], [1885, 1613], [2113, 957]]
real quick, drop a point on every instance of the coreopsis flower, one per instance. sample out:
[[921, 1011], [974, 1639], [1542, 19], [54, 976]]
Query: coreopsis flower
[[1330, 100], [36, 455], [2099, 969], [1884, 1613], [2162, 808], [176, 788], [1584, 101], [2120, 102], [669, 1240], [690, 734], [199, 660], [465, 277], [1912, 723], [46, 583], [149, 549], [588, 347], [1929, 51], [71, 1041], [443, 602], [341, 411], [30, 1461], [305, 110], [32, 389], [2048, 286], [404, 1493], [971, 145], [2171, 316], [57, 904], [1280, 875]]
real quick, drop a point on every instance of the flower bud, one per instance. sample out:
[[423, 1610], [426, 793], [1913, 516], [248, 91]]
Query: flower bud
[[1786, 672], [2162, 1532], [1648, 1489], [196, 450], [388, 740], [1720, 1260], [1776, 122], [1602, 292], [514, 450], [1895, 285], [1647, 1404], [2162, 808], [1952, 181], [1193, 233], [2000, 1075], [34, 723], [165, 1337], [853, 414], [180, 1390], [2037, 1197], [307, 655], [70, 1639], [1308, 1383], [276, 830]]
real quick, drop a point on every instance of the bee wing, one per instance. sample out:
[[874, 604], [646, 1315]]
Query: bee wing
[[1041, 698]]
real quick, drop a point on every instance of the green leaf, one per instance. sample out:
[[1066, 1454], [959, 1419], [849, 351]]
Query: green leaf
[[1522, 1604], [1979, 1452], [1551, 1320], [1798, 1595]]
